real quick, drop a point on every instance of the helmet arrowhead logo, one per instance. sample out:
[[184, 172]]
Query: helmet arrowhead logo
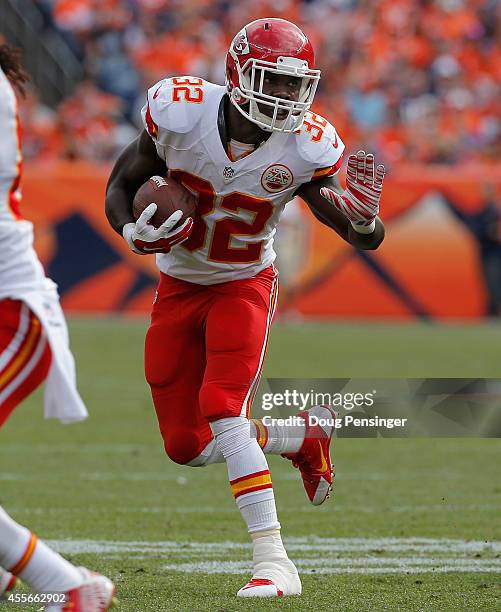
[[241, 43]]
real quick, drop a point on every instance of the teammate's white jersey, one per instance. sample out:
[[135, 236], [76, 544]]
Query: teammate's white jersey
[[239, 202], [20, 268], [22, 276]]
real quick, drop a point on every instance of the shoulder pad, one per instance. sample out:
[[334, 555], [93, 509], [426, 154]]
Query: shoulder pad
[[318, 143], [175, 106]]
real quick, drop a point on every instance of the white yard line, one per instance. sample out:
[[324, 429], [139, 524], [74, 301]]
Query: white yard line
[[303, 509], [134, 476], [320, 545], [369, 554], [313, 555], [105, 448], [244, 567]]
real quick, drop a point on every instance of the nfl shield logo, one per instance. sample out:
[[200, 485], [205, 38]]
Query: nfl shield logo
[[228, 173]]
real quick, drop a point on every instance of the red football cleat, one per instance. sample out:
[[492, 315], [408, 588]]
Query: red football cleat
[[313, 458]]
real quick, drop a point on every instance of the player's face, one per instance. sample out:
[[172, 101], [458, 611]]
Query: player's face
[[280, 86]]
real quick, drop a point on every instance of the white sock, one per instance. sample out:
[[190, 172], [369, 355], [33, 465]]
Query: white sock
[[32, 560], [278, 439], [248, 472], [260, 515], [273, 439], [210, 454]]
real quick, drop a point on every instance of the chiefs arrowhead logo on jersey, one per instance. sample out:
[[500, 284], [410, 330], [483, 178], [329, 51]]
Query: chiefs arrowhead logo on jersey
[[276, 178], [241, 44]]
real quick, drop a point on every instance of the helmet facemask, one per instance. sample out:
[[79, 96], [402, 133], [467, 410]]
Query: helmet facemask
[[249, 95]]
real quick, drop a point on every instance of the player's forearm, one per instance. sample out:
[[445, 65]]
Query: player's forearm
[[332, 221], [118, 207], [136, 164], [120, 192], [344, 229], [353, 212]]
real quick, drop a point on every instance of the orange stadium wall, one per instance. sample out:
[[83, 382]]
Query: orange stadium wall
[[427, 267]]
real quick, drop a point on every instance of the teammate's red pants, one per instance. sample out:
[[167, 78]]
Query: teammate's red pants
[[204, 353], [25, 354]]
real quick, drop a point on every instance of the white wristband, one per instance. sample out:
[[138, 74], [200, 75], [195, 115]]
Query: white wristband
[[364, 229]]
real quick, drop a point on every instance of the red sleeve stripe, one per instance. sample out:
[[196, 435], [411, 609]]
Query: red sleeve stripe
[[330, 171], [152, 126]]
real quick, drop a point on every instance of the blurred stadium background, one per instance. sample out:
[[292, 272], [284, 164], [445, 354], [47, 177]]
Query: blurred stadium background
[[416, 81]]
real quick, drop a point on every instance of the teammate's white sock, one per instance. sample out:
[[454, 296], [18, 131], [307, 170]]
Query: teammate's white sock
[[278, 439], [248, 472], [33, 561]]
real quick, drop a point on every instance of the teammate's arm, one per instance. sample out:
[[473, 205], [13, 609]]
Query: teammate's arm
[[352, 212], [136, 164]]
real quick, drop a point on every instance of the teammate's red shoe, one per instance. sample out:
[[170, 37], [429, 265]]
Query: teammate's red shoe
[[95, 594], [8, 582], [313, 458]]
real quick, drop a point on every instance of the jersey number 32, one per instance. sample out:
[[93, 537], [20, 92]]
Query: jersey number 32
[[220, 247]]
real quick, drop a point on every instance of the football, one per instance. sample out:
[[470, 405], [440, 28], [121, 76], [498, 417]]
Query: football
[[168, 195]]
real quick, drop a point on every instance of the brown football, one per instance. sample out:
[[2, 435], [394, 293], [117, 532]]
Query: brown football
[[168, 195]]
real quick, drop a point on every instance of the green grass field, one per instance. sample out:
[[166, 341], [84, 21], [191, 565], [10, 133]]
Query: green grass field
[[413, 524]]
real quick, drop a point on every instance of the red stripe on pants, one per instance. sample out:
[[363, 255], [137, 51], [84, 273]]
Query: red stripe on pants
[[25, 368]]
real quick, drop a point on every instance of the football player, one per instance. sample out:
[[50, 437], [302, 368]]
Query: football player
[[33, 348], [244, 150]]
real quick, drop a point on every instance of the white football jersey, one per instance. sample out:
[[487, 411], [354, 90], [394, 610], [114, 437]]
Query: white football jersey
[[21, 274], [239, 202], [20, 268]]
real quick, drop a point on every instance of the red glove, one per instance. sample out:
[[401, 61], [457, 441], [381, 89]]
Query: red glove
[[360, 200]]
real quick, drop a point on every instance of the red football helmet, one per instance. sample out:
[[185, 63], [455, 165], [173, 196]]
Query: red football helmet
[[274, 46]]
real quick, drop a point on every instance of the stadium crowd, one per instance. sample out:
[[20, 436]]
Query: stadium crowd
[[413, 80]]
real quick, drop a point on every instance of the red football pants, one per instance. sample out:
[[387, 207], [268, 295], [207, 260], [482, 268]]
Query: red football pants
[[204, 353], [25, 355]]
